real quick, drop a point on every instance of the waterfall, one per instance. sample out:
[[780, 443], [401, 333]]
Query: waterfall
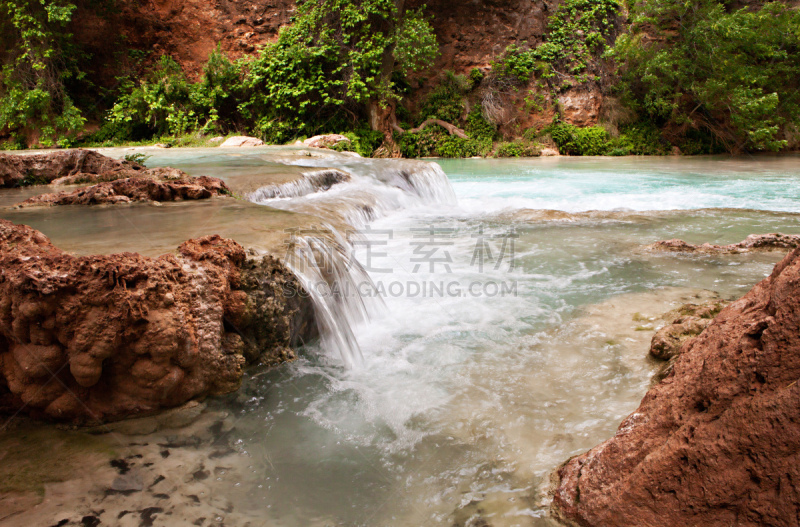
[[335, 282], [316, 181], [324, 263]]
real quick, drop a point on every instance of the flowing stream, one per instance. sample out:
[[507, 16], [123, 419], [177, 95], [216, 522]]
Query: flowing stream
[[482, 321], [485, 328]]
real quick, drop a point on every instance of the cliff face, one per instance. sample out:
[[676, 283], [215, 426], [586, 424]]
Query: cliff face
[[471, 34], [717, 442], [188, 30]]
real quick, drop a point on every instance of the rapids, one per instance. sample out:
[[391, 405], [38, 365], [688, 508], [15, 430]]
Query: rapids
[[482, 320]]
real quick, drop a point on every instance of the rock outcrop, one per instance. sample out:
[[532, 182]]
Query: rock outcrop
[[754, 242], [100, 338], [241, 141], [63, 167], [325, 141], [717, 442], [152, 185]]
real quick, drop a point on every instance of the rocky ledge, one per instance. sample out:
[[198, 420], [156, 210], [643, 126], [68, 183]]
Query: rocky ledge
[[754, 242], [101, 338], [717, 442], [165, 184], [63, 168]]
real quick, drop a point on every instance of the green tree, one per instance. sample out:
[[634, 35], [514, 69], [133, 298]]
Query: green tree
[[335, 64], [38, 63], [702, 70]]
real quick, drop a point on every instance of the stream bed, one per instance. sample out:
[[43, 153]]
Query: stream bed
[[497, 318]]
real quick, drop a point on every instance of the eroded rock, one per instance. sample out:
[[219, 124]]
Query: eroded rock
[[717, 442], [63, 167], [153, 185], [754, 242], [100, 338], [325, 141]]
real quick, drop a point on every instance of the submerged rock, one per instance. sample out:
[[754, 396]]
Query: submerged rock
[[100, 338], [754, 242], [63, 167], [717, 442], [153, 185]]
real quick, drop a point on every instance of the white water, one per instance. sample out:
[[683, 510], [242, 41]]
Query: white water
[[454, 408]]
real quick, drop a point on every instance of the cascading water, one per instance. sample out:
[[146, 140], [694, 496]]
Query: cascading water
[[336, 282]]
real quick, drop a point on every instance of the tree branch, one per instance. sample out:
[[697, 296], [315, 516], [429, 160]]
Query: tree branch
[[452, 129]]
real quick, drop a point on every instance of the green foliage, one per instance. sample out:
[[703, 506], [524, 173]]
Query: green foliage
[[363, 141], [635, 139], [729, 78], [138, 158], [478, 127], [517, 149], [38, 66], [420, 144], [577, 33], [435, 141], [446, 101], [574, 141], [337, 57]]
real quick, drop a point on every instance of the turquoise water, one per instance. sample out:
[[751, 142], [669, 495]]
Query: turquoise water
[[466, 399], [465, 403]]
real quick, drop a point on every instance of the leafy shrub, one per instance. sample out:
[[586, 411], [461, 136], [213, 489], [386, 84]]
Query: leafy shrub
[[478, 127], [575, 141], [517, 149], [446, 101], [726, 78], [364, 142]]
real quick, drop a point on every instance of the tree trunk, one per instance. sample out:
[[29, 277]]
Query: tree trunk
[[382, 116]]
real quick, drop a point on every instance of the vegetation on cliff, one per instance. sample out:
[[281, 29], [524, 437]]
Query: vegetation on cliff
[[703, 76]]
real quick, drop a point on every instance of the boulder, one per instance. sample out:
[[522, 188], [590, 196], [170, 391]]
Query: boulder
[[242, 141], [65, 167], [101, 338], [325, 141], [717, 442]]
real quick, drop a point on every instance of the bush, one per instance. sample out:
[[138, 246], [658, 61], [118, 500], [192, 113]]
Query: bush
[[574, 141], [517, 149], [364, 142], [446, 101], [723, 78], [478, 127]]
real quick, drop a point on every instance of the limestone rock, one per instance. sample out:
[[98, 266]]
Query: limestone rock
[[101, 338]]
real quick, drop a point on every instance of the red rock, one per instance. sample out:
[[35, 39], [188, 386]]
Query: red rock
[[146, 187], [717, 442], [67, 165], [99, 338], [754, 242]]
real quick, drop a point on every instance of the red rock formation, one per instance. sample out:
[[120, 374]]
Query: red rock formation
[[140, 188], [754, 242], [101, 338], [69, 166], [718, 441]]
